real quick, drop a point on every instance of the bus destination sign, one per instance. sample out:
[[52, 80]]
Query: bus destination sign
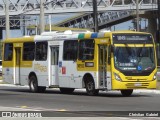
[[132, 38]]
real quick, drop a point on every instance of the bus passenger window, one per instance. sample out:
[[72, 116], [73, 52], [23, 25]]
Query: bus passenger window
[[86, 49], [41, 51], [8, 52], [28, 51], [70, 50]]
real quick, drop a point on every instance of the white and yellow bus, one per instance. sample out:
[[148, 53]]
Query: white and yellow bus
[[122, 60]]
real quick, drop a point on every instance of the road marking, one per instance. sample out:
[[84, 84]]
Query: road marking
[[155, 118], [24, 107], [62, 110], [39, 108]]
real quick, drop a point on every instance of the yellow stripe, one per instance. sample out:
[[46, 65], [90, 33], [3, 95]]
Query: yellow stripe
[[19, 40], [88, 35], [133, 45]]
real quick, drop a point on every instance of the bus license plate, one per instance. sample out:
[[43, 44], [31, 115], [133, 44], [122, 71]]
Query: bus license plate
[[138, 84]]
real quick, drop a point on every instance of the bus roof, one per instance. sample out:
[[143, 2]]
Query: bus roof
[[58, 36], [105, 34]]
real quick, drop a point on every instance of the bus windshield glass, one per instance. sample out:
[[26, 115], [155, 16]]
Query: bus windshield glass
[[134, 58]]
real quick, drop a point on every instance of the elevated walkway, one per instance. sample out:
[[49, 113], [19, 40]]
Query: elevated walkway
[[105, 19], [32, 7]]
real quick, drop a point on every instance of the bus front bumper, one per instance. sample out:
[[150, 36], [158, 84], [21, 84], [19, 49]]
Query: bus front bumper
[[119, 85]]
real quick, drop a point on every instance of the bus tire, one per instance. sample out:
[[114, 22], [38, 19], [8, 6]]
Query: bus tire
[[66, 90], [41, 89], [127, 93], [90, 88], [33, 85]]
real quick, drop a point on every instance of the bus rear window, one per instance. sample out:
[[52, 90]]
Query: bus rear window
[[8, 52]]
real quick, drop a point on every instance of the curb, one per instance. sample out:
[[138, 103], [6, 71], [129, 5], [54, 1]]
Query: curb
[[83, 90]]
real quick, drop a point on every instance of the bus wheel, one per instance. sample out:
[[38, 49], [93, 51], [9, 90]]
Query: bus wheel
[[41, 89], [33, 85], [66, 90], [90, 88], [126, 93]]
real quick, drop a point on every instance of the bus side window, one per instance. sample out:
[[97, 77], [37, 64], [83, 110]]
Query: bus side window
[[70, 50], [8, 52], [86, 49], [28, 51], [41, 51]]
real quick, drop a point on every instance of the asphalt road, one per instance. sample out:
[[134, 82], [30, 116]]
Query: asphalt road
[[21, 99]]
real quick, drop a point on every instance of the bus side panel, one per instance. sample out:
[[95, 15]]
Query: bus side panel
[[73, 80], [41, 71], [24, 75], [8, 74], [68, 74]]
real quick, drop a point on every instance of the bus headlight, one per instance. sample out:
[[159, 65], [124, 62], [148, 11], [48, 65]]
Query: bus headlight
[[117, 77], [155, 76]]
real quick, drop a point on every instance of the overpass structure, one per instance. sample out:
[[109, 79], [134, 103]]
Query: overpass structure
[[110, 12], [32, 7]]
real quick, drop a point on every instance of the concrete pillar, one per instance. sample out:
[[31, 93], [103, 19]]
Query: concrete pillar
[[152, 26], [42, 23], [7, 19]]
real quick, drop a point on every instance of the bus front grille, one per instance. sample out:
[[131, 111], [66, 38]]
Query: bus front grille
[[137, 85], [135, 80]]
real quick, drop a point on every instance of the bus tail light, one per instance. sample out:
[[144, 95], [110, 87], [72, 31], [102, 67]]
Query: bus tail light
[[117, 77]]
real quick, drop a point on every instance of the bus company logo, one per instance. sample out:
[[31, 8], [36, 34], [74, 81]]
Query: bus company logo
[[80, 65], [41, 68]]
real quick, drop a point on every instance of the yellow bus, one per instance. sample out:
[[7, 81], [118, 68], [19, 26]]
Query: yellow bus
[[119, 60]]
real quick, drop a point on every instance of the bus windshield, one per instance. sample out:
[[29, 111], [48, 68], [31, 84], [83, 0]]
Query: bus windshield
[[134, 58]]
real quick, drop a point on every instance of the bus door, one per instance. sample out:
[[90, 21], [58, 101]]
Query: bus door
[[54, 65], [17, 65], [102, 65]]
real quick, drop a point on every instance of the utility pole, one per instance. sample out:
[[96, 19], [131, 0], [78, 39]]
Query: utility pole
[[159, 16], [50, 20], [7, 18], [42, 24], [137, 14], [158, 32], [95, 16]]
